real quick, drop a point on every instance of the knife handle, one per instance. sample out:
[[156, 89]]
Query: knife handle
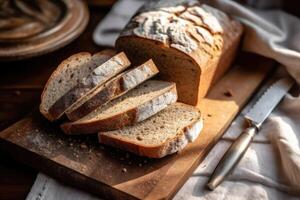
[[232, 157]]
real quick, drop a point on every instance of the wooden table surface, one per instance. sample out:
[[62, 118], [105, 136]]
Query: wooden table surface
[[20, 86]]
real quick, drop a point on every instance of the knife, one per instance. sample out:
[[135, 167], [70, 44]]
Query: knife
[[255, 118]]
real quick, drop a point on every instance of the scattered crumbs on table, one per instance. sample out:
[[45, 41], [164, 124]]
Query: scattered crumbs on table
[[18, 92], [124, 170], [83, 146], [228, 93], [83, 168], [139, 138]]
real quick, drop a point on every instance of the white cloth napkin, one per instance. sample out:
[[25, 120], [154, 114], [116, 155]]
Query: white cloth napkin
[[271, 167], [109, 28]]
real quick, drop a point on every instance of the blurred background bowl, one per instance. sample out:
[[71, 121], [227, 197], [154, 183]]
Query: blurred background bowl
[[30, 28]]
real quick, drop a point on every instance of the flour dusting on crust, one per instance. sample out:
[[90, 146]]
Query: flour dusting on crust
[[184, 25]]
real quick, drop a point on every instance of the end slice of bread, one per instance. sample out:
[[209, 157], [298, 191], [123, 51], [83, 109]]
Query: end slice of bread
[[104, 70], [135, 106], [113, 89], [165, 133], [67, 75]]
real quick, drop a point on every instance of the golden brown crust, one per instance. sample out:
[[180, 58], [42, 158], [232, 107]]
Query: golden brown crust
[[149, 151], [162, 45], [112, 123], [173, 73], [108, 52]]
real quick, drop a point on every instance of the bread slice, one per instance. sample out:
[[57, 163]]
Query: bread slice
[[98, 75], [135, 106], [67, 75], [164, 133], [113, 89]]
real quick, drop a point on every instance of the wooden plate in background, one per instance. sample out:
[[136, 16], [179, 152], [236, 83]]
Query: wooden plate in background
[[35, 27]]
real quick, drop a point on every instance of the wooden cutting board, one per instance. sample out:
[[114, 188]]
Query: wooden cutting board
[[111, 173]]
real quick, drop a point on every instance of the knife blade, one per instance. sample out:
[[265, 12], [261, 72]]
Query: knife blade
[[255, 116], [268, 101]]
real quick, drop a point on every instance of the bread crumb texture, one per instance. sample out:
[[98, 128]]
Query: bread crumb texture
[[165, 125]]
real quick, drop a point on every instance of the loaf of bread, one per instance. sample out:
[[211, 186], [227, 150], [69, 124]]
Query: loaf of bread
[[192, 43], [165, 133]]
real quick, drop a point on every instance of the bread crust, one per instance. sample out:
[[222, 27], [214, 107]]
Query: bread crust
[[127, 118], [113, 89], [155, 151]]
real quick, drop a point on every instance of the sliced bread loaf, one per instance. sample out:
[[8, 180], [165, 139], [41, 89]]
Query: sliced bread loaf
[[97, 76], [164, 133], [192, 44], [113, 89], [67, 75], [135, 106]]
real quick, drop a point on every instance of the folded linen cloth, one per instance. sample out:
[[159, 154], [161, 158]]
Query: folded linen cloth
[[269, 170], [271, 167]]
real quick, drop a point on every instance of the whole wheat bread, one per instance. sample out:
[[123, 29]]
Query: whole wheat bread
[[67, 75], [135, 106], [97, 76], [165, 133], [113, 89]]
